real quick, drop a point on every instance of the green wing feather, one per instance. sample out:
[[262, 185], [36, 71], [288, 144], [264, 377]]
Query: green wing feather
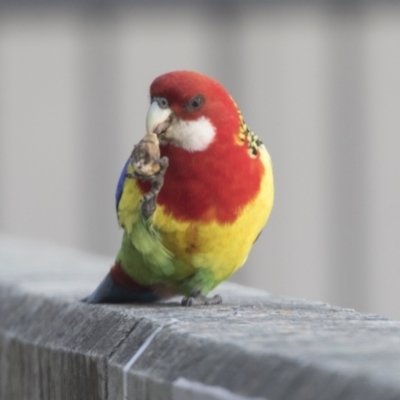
[[142, 254], [147, 240]]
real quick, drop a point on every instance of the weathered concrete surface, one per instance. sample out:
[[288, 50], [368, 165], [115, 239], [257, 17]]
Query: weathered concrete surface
[[255, 345]]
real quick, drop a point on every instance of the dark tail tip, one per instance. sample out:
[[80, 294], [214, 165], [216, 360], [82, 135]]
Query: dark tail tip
[[110, 292]]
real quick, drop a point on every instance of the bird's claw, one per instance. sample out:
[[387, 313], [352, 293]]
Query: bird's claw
[[200, 300], [149, 206], [149, 201]]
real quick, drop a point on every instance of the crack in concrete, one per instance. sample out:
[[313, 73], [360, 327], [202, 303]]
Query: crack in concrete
[[113, 351]]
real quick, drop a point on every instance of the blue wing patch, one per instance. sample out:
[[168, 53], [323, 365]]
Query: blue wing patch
[[120, 186]]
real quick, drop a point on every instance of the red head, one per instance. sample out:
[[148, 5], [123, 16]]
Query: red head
[[198, 110]]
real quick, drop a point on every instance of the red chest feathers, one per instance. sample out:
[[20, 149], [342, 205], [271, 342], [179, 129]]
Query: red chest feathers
[[209, 185]]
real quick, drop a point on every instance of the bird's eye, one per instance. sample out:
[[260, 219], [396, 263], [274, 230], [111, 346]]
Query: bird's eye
[[161, 101], [195, 102]]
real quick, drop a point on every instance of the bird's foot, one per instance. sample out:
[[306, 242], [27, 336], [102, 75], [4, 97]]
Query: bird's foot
[[197, 299], [149, 201], [131, 176], [149, 206]]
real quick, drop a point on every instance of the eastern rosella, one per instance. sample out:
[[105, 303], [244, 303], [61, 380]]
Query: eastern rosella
[[215, 199]]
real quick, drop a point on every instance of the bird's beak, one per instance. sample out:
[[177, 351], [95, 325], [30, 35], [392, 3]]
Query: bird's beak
[[158, 119]]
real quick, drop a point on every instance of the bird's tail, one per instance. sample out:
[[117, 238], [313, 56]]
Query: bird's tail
[[119, 287]]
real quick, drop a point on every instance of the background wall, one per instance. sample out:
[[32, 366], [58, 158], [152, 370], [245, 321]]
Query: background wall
[[319, 83]]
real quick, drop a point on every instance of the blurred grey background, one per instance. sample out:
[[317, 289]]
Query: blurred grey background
[[319, 82]]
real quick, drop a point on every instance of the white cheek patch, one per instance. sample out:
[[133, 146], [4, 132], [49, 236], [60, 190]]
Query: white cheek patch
[[192, 135]]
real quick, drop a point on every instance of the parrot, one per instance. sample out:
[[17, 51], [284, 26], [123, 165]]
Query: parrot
[[214, 198]]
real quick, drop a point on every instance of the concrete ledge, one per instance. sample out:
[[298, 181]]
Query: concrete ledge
[[255, 346]]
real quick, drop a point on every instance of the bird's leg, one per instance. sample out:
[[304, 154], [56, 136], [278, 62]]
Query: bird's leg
[[197, 299], [149, 201]]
